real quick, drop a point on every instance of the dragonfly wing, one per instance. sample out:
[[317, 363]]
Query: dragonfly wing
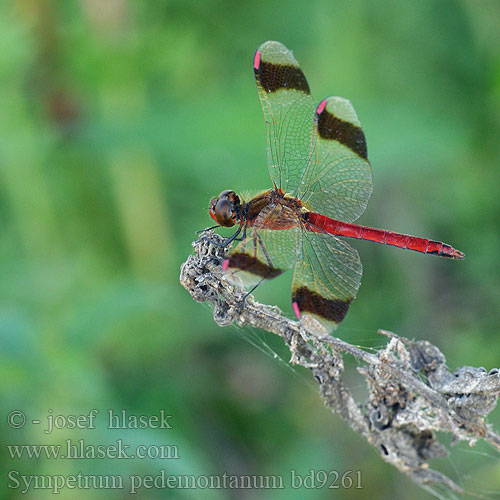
[[339, 184], [266, 253], [289, 113], [326, 280]]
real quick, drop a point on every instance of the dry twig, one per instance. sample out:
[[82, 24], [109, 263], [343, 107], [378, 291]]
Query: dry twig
[[412, 393]]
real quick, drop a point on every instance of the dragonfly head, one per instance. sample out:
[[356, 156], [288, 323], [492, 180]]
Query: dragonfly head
[[226, 208]]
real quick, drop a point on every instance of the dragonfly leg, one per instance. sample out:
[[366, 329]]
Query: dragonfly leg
[[227, 241], [253, 289], [244, 234], [242, 303], [268, 273], [206, 229], [233, 237]]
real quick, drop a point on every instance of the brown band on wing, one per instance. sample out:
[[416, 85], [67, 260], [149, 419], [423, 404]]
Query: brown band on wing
[[273, 77], [332, 128], [252, 265], [331, 310]]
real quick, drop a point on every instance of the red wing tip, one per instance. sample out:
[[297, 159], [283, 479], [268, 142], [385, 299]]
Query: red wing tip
[[296, 309], [321, 106], [225, 264], [256, 60]]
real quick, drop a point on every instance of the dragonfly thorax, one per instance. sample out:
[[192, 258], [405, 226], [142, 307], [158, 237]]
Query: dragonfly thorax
[[226, 208]]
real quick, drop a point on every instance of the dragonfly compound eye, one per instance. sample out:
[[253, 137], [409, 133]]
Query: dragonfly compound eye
[[223, 213]]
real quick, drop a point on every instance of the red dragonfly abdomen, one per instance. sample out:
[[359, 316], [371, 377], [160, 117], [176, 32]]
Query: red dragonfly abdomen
[[320, 223]]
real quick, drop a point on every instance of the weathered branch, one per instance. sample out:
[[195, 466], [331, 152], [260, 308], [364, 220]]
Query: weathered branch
[[412, 393]]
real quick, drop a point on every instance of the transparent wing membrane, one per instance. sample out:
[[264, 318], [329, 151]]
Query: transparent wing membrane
[[339, 183], [289, 113], [266, 253], [318, 156], [326, 280]]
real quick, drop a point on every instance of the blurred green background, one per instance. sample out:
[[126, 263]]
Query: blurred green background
[[119, 120]]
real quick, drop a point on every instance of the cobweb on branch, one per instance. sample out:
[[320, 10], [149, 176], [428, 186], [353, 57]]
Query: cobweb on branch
[[411, 392]]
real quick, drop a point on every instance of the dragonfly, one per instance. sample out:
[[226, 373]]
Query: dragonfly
[[322, 181]]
